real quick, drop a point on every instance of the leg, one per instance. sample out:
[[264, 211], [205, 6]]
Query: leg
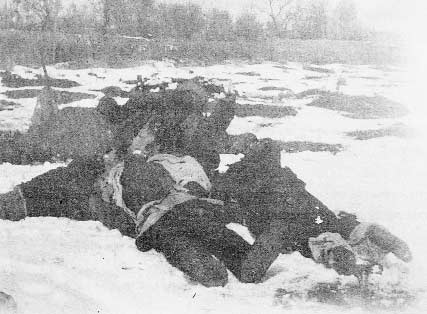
[[190, 236], [64, 192], [231, 249], [176, 232], [61, 192], [189, 255]]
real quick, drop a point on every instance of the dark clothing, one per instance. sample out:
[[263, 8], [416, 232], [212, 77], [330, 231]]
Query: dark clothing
[[206, 138], [193, 236], [189, 235], [143, 182], [64, 191], [71, 133], [69, 192], [267, 192], [182, 126]]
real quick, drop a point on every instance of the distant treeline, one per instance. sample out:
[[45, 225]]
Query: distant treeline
[[120, 32], [302, 19]]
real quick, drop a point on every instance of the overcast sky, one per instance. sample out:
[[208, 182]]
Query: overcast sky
[[381, 14]]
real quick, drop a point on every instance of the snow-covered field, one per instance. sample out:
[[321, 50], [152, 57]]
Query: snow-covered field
[[54, 265]]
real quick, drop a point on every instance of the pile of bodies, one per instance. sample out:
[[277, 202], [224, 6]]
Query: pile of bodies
[[149, 169]]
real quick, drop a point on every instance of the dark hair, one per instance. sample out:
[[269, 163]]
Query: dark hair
[[109, 108]]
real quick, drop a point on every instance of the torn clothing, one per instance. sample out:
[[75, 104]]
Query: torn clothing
[[180, 172]]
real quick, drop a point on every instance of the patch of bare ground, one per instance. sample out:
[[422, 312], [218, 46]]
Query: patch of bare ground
[[356, 107], [11, 149], [370, 298], [249, 73], [266, 111], [273, 88], [15, 81], [61, 97], [282, 67], [313, 77], [371, 78], [22, 93], [396, 130], [268, 79], [8, 105], [96, 75], [240, 143], [317, 69], [311, 92], [113, 91], [302, 146]]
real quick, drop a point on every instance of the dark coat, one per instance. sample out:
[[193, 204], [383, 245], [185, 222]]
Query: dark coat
[[72, 133], [267, 192]]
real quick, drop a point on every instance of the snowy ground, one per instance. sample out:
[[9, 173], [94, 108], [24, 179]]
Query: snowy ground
[[54, 265]]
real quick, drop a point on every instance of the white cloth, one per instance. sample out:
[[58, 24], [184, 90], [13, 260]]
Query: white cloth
[[322, 245], [151, 212], [364, 248], [183, 169], [359, 243]]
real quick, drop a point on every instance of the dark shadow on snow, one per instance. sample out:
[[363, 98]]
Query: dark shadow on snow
[[8, 105], [371, 298], [396, 130], [356, 107], [61, 97], [15, 81]]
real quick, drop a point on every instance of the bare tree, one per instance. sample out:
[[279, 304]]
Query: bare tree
[[346, 20], [310, 20], [43, 13], [248, 27], [279, 14], [219, 25]]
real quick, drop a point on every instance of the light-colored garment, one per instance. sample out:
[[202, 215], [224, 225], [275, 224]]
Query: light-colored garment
[[151, 212], [359, 243], [182, 170], [116, 189], [322, 245], [363, 247]]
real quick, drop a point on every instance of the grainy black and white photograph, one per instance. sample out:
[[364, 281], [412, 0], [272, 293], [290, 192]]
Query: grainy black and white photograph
[[229, 156]]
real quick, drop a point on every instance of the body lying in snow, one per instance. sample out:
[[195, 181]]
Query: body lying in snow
[[166, 201], [72, 132]]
